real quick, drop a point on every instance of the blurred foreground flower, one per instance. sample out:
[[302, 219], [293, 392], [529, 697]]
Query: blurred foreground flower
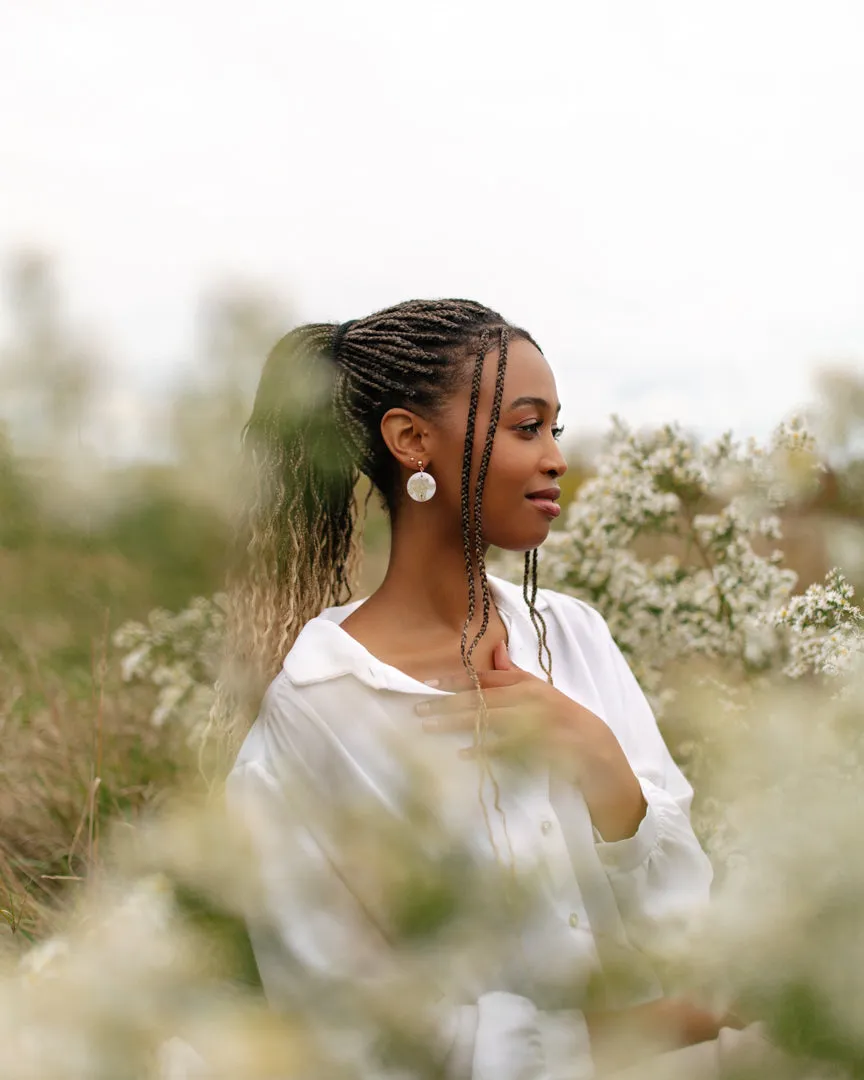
[[784, 937]]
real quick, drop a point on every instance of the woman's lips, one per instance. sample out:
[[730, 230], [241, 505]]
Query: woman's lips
[[546, 506]]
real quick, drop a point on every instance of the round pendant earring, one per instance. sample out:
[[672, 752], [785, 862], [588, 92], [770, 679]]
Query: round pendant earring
[[421, 486]]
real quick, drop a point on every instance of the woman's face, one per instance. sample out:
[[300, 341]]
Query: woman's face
[[526, 459]]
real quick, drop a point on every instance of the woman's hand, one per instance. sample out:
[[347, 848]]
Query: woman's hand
[[529, 715], [619, 1037]]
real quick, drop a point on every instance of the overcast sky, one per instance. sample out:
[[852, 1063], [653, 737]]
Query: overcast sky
[[668, 195]]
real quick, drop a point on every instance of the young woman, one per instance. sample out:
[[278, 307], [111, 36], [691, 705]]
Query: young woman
[[452, 414]]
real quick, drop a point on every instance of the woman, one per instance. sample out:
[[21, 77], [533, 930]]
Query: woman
[[451, 413]]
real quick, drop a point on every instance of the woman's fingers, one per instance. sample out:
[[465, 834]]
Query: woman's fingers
[[451, 681], [468, 701], [501, 746], [514, 721], [452, 722], [456, 682]]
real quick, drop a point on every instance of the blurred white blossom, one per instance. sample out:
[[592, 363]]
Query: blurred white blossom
[[178, 654]]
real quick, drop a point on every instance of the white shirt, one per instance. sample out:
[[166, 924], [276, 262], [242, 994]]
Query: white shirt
[[339, 721]]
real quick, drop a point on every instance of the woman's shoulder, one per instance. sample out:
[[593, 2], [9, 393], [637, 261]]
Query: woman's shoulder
[[284, 729], [578, 615]]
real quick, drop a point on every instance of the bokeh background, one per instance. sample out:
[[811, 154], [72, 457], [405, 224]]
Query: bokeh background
[[667, 195]]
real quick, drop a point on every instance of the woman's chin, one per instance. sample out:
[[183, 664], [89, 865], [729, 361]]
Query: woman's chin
[[524, 540]]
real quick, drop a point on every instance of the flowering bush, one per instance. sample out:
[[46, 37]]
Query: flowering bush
[[663, 542]]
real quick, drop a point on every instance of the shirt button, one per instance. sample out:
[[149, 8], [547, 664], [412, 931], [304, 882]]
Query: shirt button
[[545, 826], [574, 919]]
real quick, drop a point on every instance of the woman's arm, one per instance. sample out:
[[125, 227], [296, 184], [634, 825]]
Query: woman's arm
[[636, 795], [660, 875]]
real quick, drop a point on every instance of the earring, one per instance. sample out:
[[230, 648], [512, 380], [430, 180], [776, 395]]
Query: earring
[[421, 486]]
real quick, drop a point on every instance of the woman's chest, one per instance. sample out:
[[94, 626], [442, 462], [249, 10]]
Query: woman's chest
[[497, 810]]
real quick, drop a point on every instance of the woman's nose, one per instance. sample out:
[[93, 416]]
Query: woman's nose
[[557, 463]]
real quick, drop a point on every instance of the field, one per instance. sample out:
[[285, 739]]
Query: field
[[109, 842], [79, 753]]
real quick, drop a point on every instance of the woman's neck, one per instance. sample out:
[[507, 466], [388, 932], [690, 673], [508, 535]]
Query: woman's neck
[[414, 620], [427, 575]]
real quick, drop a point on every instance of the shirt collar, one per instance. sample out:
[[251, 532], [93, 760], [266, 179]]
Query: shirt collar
[[324, 651]]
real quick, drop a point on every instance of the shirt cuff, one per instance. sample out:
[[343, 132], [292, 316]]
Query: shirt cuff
[[514, 1040], [624, 855], [566, 1045]]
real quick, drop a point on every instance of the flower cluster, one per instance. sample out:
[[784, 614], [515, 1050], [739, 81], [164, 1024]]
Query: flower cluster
[[667, 541], [179, 655], [826, 630]]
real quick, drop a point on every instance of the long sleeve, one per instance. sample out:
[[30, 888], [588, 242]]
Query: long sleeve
[[660, 876], [313, 935]]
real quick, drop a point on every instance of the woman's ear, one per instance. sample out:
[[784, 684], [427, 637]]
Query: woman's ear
[[407, 437]]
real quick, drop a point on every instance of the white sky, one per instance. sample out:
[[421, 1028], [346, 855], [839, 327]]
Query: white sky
[[669, 195]]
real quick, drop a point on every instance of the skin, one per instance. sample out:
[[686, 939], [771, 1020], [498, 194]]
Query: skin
[[425, 589]]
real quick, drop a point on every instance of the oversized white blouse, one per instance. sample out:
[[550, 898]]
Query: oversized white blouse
[[331, 719]]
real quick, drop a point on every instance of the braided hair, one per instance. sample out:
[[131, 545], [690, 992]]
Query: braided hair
[[315, 427]]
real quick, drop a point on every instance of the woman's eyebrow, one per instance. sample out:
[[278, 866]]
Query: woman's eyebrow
[[540, 402]]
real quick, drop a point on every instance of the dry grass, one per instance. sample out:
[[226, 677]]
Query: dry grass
[[68, 766], [78, 749]]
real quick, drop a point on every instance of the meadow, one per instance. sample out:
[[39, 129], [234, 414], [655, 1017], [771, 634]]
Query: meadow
[[120, 882]]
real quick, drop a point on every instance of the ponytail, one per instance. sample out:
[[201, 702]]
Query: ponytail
[[295, 548]]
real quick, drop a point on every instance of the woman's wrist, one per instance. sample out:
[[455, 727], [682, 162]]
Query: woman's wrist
[[621, 819], [614, 798]]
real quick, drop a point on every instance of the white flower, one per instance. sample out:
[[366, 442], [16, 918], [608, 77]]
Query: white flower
[[177, 654]]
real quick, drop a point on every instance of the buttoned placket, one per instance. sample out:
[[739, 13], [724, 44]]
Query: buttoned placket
[[556, 856], [535, 803]]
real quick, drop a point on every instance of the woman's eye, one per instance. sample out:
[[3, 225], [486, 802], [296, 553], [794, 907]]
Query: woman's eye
[[534, 428]]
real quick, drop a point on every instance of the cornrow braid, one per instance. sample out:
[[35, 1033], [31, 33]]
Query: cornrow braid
[[472, 537], [467, 518], [481, 484]]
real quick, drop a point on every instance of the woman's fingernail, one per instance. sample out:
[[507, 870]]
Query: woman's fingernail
[[431, 682], [422, 709], [430, 724]]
